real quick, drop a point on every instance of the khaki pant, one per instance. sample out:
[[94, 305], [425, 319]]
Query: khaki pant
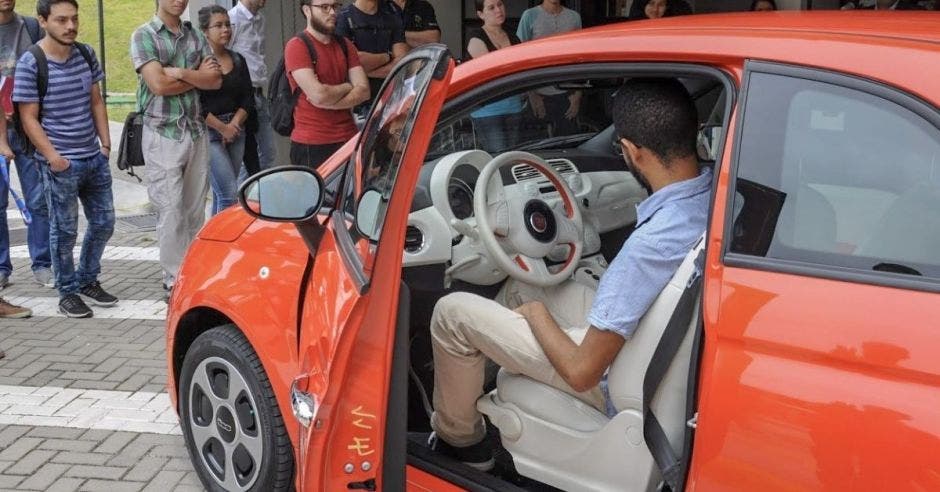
[[177, 183], [467, 329]]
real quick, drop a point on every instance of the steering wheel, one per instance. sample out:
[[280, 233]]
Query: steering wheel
[[526, 225]]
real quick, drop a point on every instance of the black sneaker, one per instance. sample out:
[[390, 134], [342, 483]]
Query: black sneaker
[[478, 456], [94, 293], [74, 307]]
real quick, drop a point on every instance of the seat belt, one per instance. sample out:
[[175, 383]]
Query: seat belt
[[669, 464]]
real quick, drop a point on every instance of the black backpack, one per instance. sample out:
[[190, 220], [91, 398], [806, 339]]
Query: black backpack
[[282, 99], [42, 86]]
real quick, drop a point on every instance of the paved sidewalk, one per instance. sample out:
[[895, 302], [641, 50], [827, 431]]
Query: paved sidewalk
[[83, 405]]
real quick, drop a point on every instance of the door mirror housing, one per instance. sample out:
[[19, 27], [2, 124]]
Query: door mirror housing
[[283, 194]]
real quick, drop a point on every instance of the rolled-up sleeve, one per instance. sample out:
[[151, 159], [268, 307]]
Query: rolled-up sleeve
[[628, 288]]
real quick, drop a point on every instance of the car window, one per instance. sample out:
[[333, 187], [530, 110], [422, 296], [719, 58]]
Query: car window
[[836, 177], [371, 177]]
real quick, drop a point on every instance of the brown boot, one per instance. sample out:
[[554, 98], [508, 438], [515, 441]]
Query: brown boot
[[10, 311]]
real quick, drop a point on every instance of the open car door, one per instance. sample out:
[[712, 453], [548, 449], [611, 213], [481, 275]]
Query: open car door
[[351, 298]]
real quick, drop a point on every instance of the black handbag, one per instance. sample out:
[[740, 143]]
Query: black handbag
[[130, 152]]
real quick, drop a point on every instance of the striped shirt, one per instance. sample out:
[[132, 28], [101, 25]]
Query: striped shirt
[[169, 116], [248, 40], [66, 108]]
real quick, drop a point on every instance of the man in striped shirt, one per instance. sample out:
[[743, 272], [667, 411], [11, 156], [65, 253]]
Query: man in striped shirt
[[72, 150], [174, 60]]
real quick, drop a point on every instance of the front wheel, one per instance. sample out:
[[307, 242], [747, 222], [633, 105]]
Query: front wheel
[[230, 418]]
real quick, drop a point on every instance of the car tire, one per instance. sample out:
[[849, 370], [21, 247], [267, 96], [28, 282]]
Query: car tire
[[230, 418]]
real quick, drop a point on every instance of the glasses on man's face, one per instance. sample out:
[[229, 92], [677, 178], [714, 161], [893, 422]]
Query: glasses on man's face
[[220, 25], [327, 7]]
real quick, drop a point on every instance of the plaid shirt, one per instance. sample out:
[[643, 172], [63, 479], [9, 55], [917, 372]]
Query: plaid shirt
[[169, 116]]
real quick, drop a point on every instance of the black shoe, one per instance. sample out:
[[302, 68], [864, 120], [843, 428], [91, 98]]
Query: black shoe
[[97, 296], [478, 456], [74, 307]]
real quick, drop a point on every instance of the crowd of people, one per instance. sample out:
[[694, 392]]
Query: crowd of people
[[207, 108]]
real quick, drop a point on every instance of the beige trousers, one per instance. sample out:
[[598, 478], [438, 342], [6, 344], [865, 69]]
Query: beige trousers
[[466, 329], [177, 182]]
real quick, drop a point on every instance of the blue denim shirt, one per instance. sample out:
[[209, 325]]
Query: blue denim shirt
[[670, 222]]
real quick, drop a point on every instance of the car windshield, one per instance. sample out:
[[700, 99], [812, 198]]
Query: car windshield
[[551, 116]]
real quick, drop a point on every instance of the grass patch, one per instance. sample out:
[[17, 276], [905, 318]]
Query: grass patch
[[121, 17]]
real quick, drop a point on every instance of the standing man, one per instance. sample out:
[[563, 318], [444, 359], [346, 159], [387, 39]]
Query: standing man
[[248, 40], [378, 35], [560, 108], [72, 150], [17, 33], [7, 310], [419, 21], [173, 61], [331, 87]]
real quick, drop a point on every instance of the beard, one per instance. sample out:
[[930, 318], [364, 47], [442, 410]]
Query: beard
[[61, 40], [638, 175], [322, 28]]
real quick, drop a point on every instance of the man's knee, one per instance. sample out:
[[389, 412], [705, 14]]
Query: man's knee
[[449, 309]]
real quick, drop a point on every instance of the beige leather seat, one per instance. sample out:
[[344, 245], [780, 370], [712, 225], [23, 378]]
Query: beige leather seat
[[559, 440]]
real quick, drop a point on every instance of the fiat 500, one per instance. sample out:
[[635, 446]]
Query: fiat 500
[[298, 344]]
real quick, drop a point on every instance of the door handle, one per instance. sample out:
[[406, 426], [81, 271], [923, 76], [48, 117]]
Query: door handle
[[303, 405]]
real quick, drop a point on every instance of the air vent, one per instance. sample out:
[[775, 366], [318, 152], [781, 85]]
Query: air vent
[[524, 172], [414, 239], [563, 166]]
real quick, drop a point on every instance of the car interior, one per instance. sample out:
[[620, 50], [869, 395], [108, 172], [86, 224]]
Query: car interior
[[543, 438]]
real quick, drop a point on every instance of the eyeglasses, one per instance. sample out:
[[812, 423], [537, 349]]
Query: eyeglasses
[[327, 7], [220, 25]]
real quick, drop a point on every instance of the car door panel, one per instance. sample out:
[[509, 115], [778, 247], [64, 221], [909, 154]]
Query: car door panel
[[353, 288]]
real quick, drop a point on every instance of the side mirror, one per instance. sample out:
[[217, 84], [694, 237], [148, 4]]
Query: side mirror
[[367, 213], [283, 194]]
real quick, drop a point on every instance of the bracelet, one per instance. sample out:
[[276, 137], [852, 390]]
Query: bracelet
[[106, 147]]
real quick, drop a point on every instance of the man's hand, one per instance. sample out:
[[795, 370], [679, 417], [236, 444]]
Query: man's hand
[[6, 152], [59, 164], [210, 64], [106, 151], [574, 105], [533, 311], [538, 105]]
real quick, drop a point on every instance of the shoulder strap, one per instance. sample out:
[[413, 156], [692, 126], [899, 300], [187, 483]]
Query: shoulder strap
[[42, 71], [237, 61], [310, 48], [656, 440], [86, 54], [32, 27]]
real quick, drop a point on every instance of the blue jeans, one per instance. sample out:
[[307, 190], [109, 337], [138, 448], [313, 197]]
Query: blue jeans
[[224, 163], [88, 180], [38, 232], [264, 138]]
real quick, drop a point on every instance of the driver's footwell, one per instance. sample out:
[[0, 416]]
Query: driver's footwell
[[502, 477]]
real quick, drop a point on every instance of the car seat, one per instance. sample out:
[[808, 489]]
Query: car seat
[[562, 441]]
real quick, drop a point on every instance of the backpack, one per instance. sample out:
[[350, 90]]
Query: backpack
[[282, 99], [42, 87], [32, 28]]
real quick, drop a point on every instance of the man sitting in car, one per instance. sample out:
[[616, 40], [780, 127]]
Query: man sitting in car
[[567, 336]]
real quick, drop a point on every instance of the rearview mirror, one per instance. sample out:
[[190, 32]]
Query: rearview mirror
[[283, 194]]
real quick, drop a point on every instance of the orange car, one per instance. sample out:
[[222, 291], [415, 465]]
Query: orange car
[[298, 330]]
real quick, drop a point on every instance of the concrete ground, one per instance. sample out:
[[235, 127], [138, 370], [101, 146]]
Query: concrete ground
[[82, 402]]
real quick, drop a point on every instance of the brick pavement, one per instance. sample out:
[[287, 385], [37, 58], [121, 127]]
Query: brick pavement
[[82, 402]]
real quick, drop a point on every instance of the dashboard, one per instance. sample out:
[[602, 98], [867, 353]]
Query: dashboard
[[441, 223]]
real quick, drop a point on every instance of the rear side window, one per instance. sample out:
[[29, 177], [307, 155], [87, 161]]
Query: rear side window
[[837, 177]]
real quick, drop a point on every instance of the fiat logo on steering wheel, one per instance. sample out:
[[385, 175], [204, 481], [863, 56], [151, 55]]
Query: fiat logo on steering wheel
[[538, 222]]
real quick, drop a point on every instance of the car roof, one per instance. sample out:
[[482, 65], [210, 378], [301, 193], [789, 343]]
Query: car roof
[[909, 25], [895, 48]]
